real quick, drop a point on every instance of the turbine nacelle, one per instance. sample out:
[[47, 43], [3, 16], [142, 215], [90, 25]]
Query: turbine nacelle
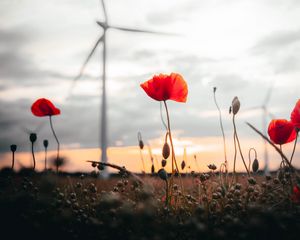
[[104, 25]]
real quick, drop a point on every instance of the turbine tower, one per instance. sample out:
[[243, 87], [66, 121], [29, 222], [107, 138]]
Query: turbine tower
[[103, 39], [265, 115]]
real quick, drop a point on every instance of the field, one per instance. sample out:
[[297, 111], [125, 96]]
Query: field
[[64, 206]]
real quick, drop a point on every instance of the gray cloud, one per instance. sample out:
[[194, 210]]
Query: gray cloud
[[276, 42]]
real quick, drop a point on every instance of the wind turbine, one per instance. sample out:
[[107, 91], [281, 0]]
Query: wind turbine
[[103, 39], [265, 115]]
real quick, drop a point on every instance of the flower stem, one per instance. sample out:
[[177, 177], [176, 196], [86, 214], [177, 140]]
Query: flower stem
[[33, 157], [235, 153], [295, 144], [239, 146], [54, 134], [161, 117], [45, 159], [143, 163], [13, 160], [174, 163], [170, 137], [222, 129]]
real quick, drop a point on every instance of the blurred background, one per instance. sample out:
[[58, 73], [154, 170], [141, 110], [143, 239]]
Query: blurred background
[[248, 49]]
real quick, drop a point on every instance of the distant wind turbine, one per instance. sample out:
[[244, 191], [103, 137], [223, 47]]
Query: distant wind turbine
[[103, 39], [265, 115]]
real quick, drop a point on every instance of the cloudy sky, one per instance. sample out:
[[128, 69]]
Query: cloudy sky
[[241, 47]]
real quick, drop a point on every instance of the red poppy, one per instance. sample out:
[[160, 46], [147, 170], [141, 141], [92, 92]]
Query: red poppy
[[43, 107], [281, 131], [164, 87], [295, 115], [296, 194]]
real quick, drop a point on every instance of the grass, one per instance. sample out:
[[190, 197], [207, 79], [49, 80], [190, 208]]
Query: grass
[[48, 206]]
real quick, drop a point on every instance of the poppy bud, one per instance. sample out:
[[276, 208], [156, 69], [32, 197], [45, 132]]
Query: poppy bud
[[251, 181], [212, 167], [141, 143], [182, 164], [94, 164], [163, 174], [163, 162], [13, 147], [255, 165], [166, 150], [46, 143], [215, 89], [32, 137], [235, 105], [100, 167], [152, 169]]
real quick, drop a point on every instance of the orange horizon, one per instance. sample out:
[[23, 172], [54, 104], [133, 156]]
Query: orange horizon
[[208, 150]]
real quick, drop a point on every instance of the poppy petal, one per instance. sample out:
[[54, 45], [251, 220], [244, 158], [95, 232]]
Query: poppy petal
[[164, 87], [281, 131], [44, 107], [295, 115]]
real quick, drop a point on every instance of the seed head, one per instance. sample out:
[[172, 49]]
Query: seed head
[[13, 147], [32, 137], [141, 144], [163, 174], [212, 167], [46, 143]]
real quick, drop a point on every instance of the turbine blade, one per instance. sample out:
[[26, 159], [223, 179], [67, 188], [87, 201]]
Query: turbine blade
[[104, 10], [84, 65], [268, 95], [142, 31]]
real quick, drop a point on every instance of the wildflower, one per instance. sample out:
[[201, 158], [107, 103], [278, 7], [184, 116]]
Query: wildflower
[[281, 131], [42, 108], [164, 87], [296, 194]]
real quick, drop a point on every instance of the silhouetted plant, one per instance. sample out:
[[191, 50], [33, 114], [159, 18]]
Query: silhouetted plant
[[222, 130], [45, 143], [32, 138], [235, 107], [13, 149], [59, 163], [43, 107], [141, 147]]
